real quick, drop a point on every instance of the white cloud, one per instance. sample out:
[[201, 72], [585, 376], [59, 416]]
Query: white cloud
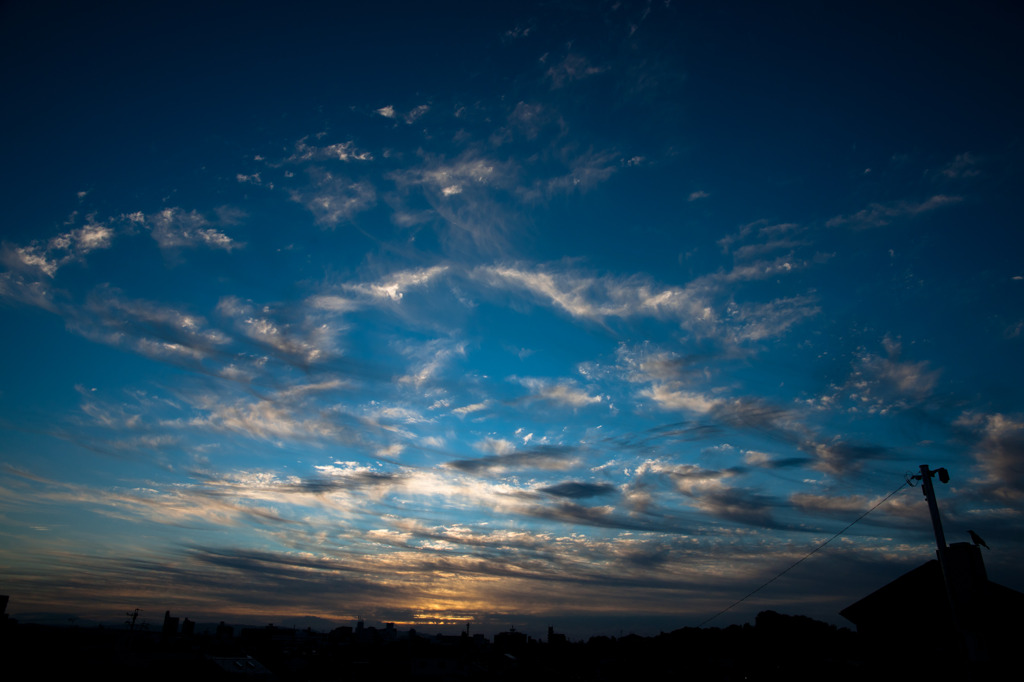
[[599, 297], [72, 246], [690, 401], [173, 228], [387, 112], [496, 446], [264, 419], [395, 286], [469, 409], [560, 392]]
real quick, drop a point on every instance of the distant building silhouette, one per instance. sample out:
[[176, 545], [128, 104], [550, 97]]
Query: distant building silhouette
[[170, 630]]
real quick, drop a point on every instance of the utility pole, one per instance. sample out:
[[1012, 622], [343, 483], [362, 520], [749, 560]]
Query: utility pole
[[933, 506], [954, 592], [940, 537]]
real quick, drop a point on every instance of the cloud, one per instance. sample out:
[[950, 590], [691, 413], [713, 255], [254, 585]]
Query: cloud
[[573, 67], [840, 458], [334, 199], [415, 113], [586, 171], [762, 232], [151, 329], [340, 151], [548, 458], [267, 420], [430, 358], [878, 215], [690, 401], [963, 166], [577, 490], [387, 111], [173, 228], [998, 454], [694, 307], [468, 409], [699, 194], [30, 291], [764, 460], [708, 492], [49, 256], [529, 118], [469, 169], [394, 286], [881, 385], [558, 392], [587, 296], [760, 321], [518, 32], [307, 339]]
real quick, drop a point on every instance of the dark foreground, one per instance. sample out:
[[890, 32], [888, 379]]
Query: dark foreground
[[776, 647]]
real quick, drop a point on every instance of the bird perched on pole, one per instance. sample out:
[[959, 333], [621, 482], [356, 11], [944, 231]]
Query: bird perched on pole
[[977, 539]]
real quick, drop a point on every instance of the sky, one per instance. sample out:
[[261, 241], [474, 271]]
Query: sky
[[588, 314]]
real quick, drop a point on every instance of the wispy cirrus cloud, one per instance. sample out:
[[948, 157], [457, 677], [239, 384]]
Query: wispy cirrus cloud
[[878, 215], [393, 286], [149, 328], [697, 307]]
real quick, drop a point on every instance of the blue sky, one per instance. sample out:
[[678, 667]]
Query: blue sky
[[592, 314]]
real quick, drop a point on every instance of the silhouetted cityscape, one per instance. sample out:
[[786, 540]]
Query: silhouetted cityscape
[[907, 622]]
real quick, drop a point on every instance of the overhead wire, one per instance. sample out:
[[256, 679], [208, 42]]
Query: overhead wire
[[805, 557]]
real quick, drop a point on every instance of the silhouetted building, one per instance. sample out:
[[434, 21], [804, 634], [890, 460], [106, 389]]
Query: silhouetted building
[[913, 613], [555, 637], [225, 632], [170, 630], [511, 641]]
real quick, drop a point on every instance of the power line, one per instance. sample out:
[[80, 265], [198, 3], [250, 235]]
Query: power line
[[805, 557]]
